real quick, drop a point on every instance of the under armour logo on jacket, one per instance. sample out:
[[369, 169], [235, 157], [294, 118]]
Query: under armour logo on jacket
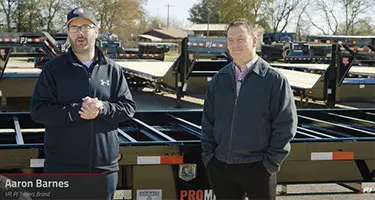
[[102, 82]]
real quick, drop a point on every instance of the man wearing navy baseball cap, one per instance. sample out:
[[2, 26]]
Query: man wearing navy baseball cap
[[82, 38], [81, 13], [80, 97]]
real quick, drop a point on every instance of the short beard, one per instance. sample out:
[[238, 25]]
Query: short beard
[[80, 50]]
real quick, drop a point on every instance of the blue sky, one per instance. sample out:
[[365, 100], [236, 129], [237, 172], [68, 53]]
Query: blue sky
[[178, 11]]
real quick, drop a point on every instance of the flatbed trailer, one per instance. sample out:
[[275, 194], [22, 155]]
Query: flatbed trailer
[[199, 60], [189, 71], [318, 49], [156, 147], [202, 58], [357, 86], [334, 83], [146, 50]]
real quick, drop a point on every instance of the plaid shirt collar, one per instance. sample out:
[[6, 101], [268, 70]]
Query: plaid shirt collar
[[250, 65]]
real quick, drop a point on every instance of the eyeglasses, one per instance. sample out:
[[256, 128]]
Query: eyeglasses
[[83, 28]]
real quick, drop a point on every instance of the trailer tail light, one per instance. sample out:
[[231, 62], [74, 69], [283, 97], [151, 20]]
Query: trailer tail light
[[159, 160], [338, 155]]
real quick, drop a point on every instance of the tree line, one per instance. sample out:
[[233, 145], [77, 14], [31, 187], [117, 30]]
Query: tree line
[[327, 17], [128, 18]]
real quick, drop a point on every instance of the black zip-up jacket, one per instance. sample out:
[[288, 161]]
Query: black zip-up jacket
[[73, 144]]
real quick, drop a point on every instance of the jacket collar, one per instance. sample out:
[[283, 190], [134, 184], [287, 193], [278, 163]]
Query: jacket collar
[[260, 68], [99, 57]]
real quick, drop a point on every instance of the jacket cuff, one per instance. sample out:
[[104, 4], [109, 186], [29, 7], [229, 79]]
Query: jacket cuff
[[272, 169], [73, 114], [206, 159], [103, 112]]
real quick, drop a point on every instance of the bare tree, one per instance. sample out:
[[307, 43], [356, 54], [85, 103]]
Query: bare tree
[[350, 12], [29, 16], [59, 19], [353, 10], [315, 25], [328, 15], [281, 12], [363, 27], [8, 7], [260, 8], [301, 23], [51, 8], [2, 22]]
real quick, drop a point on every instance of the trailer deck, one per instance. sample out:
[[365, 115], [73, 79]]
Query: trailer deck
[[354, 70], [152, 69], [20, 68]]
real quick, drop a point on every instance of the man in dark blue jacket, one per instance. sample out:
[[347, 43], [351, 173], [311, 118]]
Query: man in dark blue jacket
[[248, 121], [80, 97]]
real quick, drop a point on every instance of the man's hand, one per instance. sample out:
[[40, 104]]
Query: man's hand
[[90, 108]]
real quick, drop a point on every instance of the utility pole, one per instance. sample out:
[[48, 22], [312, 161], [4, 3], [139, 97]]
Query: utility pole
[[168, 6]]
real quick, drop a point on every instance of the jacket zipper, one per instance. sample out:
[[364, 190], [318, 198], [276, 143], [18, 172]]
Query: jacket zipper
[[91, 143], [234, 110], [91, 122]]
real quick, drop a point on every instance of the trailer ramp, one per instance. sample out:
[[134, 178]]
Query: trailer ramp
[[355, 71]]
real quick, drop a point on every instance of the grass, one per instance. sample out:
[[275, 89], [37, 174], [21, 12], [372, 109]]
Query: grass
[[170, 57]]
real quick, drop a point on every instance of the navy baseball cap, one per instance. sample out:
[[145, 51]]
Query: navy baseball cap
[[81, 13]]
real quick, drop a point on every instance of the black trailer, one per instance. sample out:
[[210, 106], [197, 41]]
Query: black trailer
[[357, 86], [318, 49], [337, 84], [160, 151], [27, 45], [199, 60]]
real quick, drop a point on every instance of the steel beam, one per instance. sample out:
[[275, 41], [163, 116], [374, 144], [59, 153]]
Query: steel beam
[[149, 130], [17, 130], [128, 137], [190, 127]]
